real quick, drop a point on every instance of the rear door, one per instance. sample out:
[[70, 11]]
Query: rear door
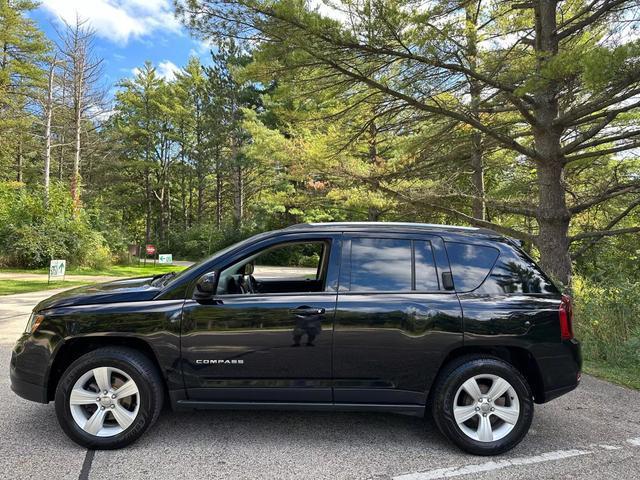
[[394, 321]]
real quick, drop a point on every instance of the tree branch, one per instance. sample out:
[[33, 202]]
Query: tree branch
[[612, 192], [461, 215], [604, 233], [609, 226]]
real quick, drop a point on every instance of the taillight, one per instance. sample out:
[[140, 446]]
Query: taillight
[[566, 318]]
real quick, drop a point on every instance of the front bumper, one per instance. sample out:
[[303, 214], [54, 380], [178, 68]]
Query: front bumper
[[27, 370]]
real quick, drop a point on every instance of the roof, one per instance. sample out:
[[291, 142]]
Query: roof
[[390, 227]]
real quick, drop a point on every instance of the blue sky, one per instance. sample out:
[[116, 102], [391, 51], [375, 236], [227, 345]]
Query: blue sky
[[129, 32]]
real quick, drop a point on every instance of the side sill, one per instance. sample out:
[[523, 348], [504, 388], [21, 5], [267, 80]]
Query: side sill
[[413, 410]]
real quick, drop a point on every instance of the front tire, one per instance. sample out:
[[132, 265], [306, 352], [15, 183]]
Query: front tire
[[483, 405], [108, 398]]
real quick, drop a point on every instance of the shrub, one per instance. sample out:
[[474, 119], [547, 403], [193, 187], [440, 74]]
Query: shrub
[[31, 235], [608, 320]]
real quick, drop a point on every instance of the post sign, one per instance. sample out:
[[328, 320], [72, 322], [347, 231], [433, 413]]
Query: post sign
[[57, 269], [165, 258], [150, 249]]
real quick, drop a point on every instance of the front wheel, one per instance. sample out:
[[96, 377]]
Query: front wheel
[[483, 405], [108, 398]]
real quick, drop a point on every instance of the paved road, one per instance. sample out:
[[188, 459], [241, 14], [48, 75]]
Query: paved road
[[593, 432]]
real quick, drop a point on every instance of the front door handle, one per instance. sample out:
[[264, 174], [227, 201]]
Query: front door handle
[[305, 311]]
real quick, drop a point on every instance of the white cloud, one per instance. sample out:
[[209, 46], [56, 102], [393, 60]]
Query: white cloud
[[117, 20], [334, 9], [167, 70]]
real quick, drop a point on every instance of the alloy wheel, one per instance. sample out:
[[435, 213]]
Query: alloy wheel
[[104, 401], [486, 408]]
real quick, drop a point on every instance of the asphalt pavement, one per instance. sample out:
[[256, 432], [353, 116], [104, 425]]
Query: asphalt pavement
[[591, 433]]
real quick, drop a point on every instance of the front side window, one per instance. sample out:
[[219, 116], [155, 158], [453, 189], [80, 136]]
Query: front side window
[[295, 267]]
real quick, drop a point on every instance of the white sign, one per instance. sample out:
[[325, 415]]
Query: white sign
[[57, 268], [165, 258]]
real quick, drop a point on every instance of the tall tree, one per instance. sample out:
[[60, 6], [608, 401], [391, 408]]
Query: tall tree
[[564, 90], [22, 51], [83, 72]]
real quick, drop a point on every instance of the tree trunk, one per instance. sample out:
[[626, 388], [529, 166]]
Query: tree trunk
[[47, 132], [200, 200], [478, 204], [238, 197], [373, 213], [218, 190], [147, 186], [475, 91], [553, 220], [552, 215], [19, 163], [75, 176]]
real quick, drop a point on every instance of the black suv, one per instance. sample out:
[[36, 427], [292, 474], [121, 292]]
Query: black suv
[[392, 317]]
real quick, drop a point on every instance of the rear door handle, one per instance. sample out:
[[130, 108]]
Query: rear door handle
[[305, 311]]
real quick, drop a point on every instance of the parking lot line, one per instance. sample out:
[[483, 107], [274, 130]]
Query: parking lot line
[[492, 465]]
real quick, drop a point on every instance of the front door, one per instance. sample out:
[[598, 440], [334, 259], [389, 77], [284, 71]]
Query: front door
[[268, 334]]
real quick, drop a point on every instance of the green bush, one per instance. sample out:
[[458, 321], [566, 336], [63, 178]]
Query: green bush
[[201, 241], [608, 320], [31, 235]]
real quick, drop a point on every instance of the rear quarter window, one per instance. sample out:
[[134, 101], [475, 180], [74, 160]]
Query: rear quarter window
[[470, 264], [514, 272], [488, 270]]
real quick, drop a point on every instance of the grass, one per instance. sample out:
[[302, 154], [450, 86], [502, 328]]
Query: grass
[[127, 270], [626, 376], [112, 271], [9, 287]]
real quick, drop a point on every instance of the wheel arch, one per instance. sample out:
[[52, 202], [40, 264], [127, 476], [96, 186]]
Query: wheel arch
[[74, 348], [518, 357]]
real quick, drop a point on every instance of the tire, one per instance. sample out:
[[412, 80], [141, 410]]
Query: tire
[[485, 432], [115, 421]]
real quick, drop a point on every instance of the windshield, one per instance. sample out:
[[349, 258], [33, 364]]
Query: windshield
[[219, 254]]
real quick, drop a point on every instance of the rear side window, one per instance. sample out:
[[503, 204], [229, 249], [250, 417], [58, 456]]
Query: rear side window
[[470, 264], [514, 272], [380, 264], [426, 275]]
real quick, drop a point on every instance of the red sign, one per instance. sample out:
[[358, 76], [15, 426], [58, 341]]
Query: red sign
[[150, 249]]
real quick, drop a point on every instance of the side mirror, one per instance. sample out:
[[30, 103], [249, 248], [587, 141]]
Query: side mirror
[[206, 286]]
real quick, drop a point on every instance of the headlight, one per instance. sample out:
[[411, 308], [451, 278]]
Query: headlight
[[34, 322]]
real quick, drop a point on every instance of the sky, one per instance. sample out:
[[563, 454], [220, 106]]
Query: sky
[[129, 32]]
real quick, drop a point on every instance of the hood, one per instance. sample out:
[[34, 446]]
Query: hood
[[127, 290]]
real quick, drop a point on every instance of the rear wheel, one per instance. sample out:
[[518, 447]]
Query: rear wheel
[[483, 405], [108, 398]]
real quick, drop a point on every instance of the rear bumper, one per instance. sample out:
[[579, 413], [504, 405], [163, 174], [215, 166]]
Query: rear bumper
[[560, 371]]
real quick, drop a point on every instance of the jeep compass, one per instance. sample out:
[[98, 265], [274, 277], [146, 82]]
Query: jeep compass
[[390, 317]]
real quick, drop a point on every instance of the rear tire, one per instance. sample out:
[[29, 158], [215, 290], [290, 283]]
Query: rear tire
[[466, 413], [108, 398]]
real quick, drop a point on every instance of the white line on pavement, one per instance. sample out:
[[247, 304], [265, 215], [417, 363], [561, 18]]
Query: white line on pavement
[[634, 441], [492, 465], [610, 447]]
